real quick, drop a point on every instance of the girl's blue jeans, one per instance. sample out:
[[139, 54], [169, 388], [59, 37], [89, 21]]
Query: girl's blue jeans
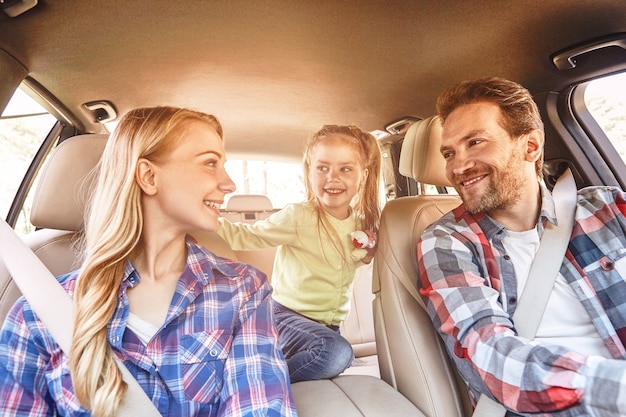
[[312, 350]]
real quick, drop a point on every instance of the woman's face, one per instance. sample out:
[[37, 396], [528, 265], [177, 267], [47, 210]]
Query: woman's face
[[192, 182]]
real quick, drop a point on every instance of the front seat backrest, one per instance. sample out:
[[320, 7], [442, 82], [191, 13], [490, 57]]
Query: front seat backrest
[[411, 356], [57, 210]]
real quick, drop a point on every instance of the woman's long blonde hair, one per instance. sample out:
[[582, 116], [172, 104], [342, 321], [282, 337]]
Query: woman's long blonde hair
[[113, 227], [366, 202]]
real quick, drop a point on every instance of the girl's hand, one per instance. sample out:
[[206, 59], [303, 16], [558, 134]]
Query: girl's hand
[[365, 240]]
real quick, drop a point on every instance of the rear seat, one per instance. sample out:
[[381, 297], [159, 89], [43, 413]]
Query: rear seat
[[358, 328]]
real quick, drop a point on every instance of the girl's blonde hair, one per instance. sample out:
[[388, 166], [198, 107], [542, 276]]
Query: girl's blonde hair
[[366, 202], [113, 228]]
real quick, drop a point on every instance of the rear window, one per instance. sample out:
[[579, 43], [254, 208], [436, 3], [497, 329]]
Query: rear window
[[281, 182]]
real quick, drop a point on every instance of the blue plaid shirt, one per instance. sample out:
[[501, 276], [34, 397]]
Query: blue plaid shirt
[[215, 355]]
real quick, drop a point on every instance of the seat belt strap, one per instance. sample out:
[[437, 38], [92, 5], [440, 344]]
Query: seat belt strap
[[543, 273], [39, 286], [547, 263]]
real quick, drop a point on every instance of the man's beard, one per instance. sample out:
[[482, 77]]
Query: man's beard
[[504, 188]]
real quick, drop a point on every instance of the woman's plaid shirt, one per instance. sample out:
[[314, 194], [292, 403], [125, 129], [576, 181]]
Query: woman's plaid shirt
[[217, 353]]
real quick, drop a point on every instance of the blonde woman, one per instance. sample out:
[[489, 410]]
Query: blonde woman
[[317, 255], [196, 330]]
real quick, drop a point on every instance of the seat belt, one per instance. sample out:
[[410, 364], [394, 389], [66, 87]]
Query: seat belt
[[39, 287], [543, 273]]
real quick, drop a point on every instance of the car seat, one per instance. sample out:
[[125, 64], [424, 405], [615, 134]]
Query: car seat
[[411, 356]]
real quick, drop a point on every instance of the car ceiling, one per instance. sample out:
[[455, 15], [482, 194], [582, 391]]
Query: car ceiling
[[273, 72]]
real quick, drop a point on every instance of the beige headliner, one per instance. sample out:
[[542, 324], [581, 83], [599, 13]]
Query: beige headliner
[[274, 72]]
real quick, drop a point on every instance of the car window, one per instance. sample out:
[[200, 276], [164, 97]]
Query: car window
[[23, 126], [605, 99], [281, 182]]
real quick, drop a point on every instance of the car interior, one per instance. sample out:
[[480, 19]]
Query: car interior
[[273, 73]]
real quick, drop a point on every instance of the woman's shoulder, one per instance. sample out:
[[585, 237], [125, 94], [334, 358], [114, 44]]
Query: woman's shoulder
[[68, 281], [226, 270], [241, 280]]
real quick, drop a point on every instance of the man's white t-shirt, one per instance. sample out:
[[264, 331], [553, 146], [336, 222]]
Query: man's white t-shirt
[[565, 321]]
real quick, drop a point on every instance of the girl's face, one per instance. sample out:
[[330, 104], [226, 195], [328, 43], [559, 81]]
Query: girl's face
[[335, 174], [192, 182]]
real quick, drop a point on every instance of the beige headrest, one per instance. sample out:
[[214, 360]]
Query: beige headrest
[[249, 202], [60, 197], [420, 157]]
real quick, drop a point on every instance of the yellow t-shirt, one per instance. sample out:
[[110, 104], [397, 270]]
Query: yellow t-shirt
[[311, 275]]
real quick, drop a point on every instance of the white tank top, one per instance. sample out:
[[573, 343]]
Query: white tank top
[[143, 329]]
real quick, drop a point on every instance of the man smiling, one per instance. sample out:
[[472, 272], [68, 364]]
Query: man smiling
[[474, 263]]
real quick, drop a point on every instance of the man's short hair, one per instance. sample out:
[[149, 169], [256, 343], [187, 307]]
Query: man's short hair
[[519, 111]]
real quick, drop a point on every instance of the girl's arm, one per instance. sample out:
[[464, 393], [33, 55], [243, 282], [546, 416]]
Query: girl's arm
[[278, 229]]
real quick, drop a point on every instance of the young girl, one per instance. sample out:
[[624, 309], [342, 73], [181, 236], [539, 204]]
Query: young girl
[[316, 257], [194, 329]]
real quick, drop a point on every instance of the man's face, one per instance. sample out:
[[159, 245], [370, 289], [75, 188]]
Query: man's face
[[486, 165]]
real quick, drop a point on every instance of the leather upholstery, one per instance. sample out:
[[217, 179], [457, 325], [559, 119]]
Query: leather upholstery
[[420, 157], [57, 211], [411, 355], [247, 208], [64, 183], [358, 327], [351, 396]]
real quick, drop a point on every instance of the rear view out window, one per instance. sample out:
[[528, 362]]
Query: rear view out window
[[281, 182]]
